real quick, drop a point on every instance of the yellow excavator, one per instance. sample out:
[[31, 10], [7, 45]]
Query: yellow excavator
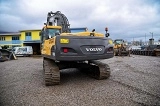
[[62, 49], [120, 48]]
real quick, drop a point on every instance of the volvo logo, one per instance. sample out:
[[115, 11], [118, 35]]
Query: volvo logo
[[93, 49]]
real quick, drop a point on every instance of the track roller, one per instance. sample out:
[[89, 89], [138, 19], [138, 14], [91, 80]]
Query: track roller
[[51, 72]]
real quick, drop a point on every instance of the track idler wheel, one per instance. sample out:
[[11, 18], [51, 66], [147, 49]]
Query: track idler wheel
[[51, 72]]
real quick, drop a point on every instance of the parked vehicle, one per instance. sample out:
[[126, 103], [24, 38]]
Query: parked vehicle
[[121, 48], [23, 51]]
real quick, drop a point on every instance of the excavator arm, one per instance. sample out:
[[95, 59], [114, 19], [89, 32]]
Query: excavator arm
[[58, 19]]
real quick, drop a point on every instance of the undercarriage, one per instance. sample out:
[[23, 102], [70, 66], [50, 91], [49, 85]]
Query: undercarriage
[[121, 52], [95, 69]]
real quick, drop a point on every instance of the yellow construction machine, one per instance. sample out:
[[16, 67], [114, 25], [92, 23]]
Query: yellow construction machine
[[120, 48], [61, 49]]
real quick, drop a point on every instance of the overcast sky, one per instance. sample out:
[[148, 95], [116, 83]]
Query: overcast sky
[[127, 19]]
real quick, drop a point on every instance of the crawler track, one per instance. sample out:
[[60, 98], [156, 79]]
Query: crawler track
[[51, 72], [100, 70], [96, 69]]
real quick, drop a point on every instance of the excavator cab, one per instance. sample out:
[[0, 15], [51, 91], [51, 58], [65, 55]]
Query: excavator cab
[[48, 35]]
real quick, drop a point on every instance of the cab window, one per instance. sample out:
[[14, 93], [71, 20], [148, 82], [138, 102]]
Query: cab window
[[52, 32], [118, 41]]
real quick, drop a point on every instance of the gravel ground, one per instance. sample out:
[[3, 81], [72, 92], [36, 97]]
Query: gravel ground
[[134, 81]]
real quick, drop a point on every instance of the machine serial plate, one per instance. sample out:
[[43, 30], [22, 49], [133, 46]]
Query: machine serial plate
[[64, 40]]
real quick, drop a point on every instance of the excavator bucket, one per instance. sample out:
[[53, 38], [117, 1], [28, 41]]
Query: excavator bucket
[[6, 55]]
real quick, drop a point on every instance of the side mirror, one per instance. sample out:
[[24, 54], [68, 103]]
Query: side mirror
[[107, 34]]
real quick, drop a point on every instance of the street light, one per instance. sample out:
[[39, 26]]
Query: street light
[[145, 38]]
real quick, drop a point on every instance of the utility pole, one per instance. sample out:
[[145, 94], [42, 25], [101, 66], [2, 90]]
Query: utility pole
[[145, 38], [152, 34], [133, 41]]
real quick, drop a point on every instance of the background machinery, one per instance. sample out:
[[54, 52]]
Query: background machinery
[[120, 48], [61, 49], [7, 55]]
